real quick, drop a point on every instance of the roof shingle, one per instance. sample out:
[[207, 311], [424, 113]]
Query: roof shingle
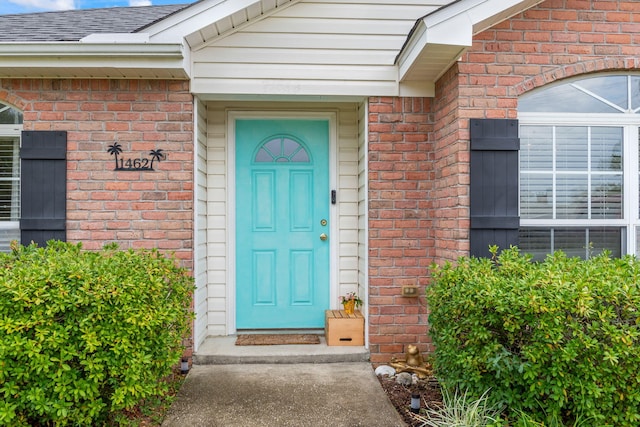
[[73, 25]]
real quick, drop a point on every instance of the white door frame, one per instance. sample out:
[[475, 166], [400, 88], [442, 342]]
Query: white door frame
[[232, 116]]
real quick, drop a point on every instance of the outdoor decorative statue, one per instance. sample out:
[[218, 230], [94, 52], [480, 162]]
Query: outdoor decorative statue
[[413, 362]]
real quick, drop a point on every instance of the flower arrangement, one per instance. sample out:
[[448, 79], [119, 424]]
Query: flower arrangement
[[351, 296], [350, 302]]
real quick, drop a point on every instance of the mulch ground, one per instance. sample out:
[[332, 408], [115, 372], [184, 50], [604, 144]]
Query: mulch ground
[[400, 396]]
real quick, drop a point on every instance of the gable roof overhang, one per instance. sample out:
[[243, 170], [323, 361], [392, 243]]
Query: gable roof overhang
[[89, 43], [93, 60], [207, 19], [438, 40], [162, 48]]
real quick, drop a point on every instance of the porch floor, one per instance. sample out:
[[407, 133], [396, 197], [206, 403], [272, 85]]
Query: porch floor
[[221, 350]]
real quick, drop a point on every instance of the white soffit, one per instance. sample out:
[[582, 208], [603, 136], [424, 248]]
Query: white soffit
[[438, 39]]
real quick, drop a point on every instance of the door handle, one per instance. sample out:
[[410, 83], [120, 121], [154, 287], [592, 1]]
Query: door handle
[[323, 237]]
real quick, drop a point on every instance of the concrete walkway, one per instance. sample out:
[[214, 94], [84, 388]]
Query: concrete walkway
[[282, 395]]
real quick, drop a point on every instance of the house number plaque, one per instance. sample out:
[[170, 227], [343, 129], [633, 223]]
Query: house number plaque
[[129, 164]]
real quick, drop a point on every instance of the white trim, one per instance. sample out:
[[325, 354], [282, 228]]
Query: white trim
[[10, 130], [230, 234], [630, 185], [278, 98], [334, 240], [573, 222], [568, 119], [195, 231], [196, 241], [366, 227], [9, 225], [80, 49]]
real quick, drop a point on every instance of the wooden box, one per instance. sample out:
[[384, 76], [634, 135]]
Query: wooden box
[[341, 328]]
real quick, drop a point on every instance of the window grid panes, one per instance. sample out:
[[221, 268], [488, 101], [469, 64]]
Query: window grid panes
[[571, 172], [282, 149], [9, 179], [579, 167], [10, 128], [574, 241]]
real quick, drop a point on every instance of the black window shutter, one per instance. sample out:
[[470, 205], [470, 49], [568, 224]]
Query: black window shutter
[[43, 186], [494, 184]]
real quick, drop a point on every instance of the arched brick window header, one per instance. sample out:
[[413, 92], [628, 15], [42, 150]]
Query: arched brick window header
[[577, 69]]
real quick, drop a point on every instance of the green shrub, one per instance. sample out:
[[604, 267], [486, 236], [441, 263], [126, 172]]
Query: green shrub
[[84, 334], [558, 339]]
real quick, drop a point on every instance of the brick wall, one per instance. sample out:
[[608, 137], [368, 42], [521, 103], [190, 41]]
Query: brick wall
[[554, 40], [400, 222], [135, 209], [451, 166]]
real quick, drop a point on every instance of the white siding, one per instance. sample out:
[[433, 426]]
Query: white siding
[[220, 303], [347, 172], [217, 221], [313, 47], [200, 273]]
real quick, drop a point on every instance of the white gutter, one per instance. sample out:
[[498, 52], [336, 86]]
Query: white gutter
[[104, 59], [80, 49]]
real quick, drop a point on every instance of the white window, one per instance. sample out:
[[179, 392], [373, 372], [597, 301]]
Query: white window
[[579, 175], [10, 128]]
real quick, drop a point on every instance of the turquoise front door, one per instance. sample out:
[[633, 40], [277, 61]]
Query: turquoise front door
[[282, 223]]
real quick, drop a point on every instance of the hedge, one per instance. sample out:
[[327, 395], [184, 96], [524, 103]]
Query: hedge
[[84, 334], [558, 339]]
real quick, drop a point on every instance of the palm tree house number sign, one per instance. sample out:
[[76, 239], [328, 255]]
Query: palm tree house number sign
[[129, 164]]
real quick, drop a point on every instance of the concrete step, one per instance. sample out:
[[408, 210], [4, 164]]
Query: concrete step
[[223, 351]]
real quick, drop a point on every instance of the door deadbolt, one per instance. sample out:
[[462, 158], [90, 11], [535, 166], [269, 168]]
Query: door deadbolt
[[323, 237], [323, 222]]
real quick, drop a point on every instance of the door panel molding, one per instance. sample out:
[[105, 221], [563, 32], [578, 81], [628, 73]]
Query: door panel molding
[[231, 117]]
